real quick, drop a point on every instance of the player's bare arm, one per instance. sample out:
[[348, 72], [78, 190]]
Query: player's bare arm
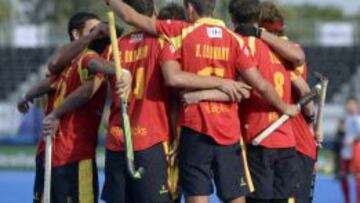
[[106, 68], [75, 100], [253, 77], [67, 53], [285, 48], [175, 77], [132, 17], [207, 95], [302, 88], [34, 92]]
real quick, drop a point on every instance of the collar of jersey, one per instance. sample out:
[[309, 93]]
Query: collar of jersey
[[211, 21]]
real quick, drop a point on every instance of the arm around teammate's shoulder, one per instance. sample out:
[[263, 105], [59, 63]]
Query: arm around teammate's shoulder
[[253, 77], [132, 17], [286, 49]]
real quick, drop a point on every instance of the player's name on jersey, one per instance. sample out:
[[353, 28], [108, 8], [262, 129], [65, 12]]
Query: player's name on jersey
[[131, 56], [212, 52]]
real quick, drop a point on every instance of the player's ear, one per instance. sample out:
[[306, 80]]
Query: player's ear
[[75, 34]]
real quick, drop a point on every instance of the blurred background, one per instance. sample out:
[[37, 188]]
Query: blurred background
[[30, 31]]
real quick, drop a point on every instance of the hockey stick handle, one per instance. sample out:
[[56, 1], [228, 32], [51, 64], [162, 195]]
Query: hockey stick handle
[[137, 174], [319, 131], [305, 100], [47, 175]]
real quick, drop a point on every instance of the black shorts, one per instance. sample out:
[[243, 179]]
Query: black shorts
[[119, 187], [306, 182], [201, 160], [75, 182], [274, 172]]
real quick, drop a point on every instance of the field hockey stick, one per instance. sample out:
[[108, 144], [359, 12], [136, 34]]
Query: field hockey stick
[[137, 174], [47, 176], [318, 128], [305, 100]]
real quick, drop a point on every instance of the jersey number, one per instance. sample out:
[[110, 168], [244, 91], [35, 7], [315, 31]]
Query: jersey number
[[139, 83]]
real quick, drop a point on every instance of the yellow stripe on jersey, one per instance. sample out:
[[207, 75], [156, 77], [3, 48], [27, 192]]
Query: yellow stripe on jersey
[[246, 166], [291, 200], [237, 37], [86, 188], [177, 41], [252, 45]]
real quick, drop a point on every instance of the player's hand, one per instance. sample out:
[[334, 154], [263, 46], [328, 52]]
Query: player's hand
[[191, 97], [50, 124], [319, 135], [123, 86], [100, 31], [23, 105], [291, 110], [236, 90], [248, 30]]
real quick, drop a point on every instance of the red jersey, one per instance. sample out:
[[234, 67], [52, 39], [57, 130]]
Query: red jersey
[[257, 112], [142, 54], [208, 48], [304, 134], [76, 138]]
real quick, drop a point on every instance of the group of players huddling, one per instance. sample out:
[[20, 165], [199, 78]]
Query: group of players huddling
[[199, 93]]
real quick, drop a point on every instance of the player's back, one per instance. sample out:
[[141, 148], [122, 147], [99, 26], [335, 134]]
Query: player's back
[[141, 54], [257, 112], [208, 48]]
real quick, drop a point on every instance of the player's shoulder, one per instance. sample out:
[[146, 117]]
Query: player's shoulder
[[239, 39]]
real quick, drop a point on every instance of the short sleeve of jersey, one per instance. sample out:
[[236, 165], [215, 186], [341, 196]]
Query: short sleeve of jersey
[[170, 28], [244, 59], [168, 53]]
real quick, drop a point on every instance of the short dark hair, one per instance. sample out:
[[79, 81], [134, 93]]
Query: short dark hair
[[202, 7], [352, 98], [172, 11], [245, 11], [78, 20], [145, 7]]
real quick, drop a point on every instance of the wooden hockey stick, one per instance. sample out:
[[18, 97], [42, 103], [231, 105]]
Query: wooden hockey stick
[[137, 174], [305, 100], [48, 165]]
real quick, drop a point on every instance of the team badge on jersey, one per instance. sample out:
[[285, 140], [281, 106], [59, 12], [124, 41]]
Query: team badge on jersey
[[214, 32], [135, 38]]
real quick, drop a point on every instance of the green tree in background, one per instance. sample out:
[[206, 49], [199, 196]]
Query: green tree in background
[[5, 11]]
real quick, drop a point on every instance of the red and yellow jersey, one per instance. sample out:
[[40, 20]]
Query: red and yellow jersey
[[208, 48], [76, 138], [142, 54], [304, 134], [257, 112]]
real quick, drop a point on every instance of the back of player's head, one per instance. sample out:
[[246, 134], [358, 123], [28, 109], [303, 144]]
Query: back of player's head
[[272, 17], [245, 11], [202, 7], [172, 11], [145, 7], [78, 21]]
